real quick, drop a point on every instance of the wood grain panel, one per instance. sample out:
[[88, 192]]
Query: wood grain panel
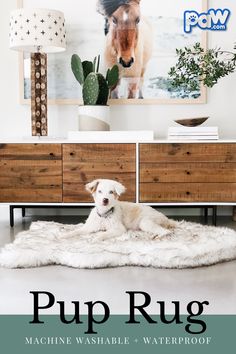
[[187, 192], [201, 152], [30, 151], [188, 172], [31, 182], [83, 163], [89, 167], [22, 168], [119, 153], [30, 173], [26, 195]]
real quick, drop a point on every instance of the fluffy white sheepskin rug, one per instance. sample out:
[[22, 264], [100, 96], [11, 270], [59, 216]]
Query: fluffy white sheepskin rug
[[191, 245]]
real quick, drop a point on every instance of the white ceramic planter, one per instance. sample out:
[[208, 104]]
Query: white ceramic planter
[[94, 118]]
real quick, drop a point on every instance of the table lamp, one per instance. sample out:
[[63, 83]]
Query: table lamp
[[38, 31]]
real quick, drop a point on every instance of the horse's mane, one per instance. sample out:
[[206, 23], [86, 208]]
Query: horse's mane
[[107, 7]]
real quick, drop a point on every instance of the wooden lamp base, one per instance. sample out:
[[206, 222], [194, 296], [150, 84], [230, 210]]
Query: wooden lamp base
[[39, 94]]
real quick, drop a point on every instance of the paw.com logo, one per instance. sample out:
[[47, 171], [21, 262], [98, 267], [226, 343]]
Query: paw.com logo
[[213, 20]]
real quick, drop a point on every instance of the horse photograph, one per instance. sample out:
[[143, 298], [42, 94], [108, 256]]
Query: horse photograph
[[140, 36], [129, 42]]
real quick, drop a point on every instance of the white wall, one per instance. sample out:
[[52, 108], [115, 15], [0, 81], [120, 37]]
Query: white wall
[[15, 119]]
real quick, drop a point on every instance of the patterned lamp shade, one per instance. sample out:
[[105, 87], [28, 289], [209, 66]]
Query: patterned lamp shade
[[37, 30]]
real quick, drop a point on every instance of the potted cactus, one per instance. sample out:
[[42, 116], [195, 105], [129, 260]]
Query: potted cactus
[[95, 113]]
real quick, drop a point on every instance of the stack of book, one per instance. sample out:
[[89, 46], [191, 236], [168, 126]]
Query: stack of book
[[193, 133]]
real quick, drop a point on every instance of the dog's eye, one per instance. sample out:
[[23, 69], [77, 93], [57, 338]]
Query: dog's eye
[[100, 192], [111, 192], [137, 20]]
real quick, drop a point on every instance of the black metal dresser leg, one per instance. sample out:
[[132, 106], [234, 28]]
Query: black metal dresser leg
[[11, 216], [23, 212], [206, 215], [214, 216]]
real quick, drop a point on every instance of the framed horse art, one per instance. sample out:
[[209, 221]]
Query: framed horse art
[[140, 36], [129, 43]]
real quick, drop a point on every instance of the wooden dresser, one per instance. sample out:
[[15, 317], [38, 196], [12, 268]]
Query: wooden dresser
[[156, 173]]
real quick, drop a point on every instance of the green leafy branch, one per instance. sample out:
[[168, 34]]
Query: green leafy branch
[[196, 65]]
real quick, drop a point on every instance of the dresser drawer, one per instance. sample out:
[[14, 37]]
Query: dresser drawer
[[187, 192], [152, 153], [82, 163], [30, 173], [197, 172]]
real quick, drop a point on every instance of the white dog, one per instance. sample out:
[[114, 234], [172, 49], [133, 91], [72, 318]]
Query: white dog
[[111, 218]]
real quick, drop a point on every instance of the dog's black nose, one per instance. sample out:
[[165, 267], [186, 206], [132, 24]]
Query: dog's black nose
[[105, 201]]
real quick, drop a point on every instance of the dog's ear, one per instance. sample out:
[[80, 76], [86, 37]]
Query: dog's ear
[[92, 186], [119, 188]]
